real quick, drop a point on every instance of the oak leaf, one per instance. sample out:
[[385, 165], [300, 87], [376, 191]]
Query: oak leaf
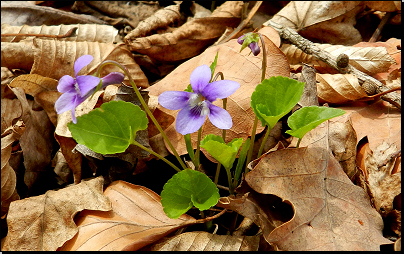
[[331, 213], [45, 222], [136, 220]]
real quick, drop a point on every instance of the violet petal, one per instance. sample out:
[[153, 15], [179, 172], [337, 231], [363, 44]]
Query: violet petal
[[65, 102], [219, 117], [240, 39], [200, 77], [81, 62], [174, 99], [220, 89], [188, 122], [86, 83], [112, 78], [66, 84], [254, 48]]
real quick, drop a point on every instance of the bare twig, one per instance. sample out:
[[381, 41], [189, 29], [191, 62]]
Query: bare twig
[[383, 22], [310, 48]]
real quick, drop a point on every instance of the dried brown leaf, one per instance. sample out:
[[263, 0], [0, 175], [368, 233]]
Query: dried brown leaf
[[243, 67], [160, 19], [339, 88], [370, 60], [45, 222], [8, 176], [379, 179], [189, 39], [87, 32], [37, 141], [18, 14], [328, 21], [204, 241], [17, 55], [331, 213], [33, 84], [10, 110], [136, 220], [385, 6]]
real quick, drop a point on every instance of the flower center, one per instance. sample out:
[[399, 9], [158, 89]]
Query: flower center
[[198, 105], [76, 86]]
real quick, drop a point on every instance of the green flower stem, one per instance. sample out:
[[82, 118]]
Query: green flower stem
[[263, 142], [145, 107], [190, 150], [198, 149], [229, 180], [298, 143], [156, 154], [264, 68]]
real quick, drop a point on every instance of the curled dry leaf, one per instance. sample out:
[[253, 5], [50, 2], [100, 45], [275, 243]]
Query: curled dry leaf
[[370, 60], [8, 177], [204, 241], [45, 222], [380, 174], [136, 220], [87, 32], [339, 88], [189, 39], [160, 19], [54, 59], [330, 212], [329, 21], [18, 14], [37, 141], [241, 67]]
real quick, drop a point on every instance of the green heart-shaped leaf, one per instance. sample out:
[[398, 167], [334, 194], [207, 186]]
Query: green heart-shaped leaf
[[110, 129], [225, 154], [188, 188], [274, 98], [308, 118]]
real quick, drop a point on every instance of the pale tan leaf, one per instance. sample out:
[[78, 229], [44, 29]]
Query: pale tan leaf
[[242, 67], [136, 220], [33, 84], [380, 181], [339, 88], [330, 212], [87, 32], [329, 21], [204, 241], [189, 39], [37, 141], [370, 60], [386, 6], [8, 176], [160, 19], [10, 110], [17, 55], [45, 222]]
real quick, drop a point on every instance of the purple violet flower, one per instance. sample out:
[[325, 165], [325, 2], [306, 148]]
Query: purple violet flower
[[75, 91], [197, 105], [255, 49]]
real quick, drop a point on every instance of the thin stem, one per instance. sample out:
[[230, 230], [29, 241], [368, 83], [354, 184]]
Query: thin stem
[[250, 150], [198, 148], [219, 165], [298, 143], [145, 107], [229, 180], [156, 154], [264, 67], [263, 142]]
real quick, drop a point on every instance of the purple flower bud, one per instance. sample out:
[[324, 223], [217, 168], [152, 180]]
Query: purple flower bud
[[240, 39], [255, 49]]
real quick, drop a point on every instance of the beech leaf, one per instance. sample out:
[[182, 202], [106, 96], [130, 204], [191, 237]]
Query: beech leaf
[[136, 220], [274, 98], [110, 129], [308, 118], [222, 152], [45, 222], [186, 189]]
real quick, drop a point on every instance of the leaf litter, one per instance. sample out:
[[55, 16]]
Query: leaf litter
[[340, 191]]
